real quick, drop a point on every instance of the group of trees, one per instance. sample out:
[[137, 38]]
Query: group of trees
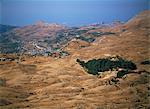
[[100, 65], [147, 62], [90, 39]]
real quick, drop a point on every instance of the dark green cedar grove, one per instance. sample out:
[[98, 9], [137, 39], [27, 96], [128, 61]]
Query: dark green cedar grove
[[100, 65]]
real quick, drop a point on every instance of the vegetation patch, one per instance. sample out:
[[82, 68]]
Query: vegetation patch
[[81, 31], [2, 82], [121, 73], [105, 64], [4, 102], [86, 39], [101, 33], [147, 62]]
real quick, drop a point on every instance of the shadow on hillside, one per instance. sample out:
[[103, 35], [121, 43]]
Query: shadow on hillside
[[28, 68]]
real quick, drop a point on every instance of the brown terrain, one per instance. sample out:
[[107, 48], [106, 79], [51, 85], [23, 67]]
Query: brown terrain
[[49, 83], [37, 30]]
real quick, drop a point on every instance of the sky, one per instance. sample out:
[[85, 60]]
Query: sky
[[69, 12]]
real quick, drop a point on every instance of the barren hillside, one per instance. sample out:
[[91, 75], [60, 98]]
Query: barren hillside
[[61, 83]]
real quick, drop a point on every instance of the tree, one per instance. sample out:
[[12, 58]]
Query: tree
[[105, 64]]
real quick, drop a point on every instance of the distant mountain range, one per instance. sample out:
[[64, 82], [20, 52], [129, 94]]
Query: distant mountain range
[[5, 28], [42, 37]]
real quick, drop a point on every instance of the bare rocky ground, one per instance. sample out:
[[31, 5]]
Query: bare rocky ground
[[48, 83]]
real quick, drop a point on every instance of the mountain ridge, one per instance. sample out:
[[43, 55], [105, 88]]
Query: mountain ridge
[[61, 83]]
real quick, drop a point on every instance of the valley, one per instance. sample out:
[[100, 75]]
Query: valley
[[39, 68]]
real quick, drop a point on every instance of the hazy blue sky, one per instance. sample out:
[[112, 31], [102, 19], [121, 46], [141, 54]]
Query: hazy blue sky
[[70, 12]]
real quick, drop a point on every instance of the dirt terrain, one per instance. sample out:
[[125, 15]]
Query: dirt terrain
[[50, 83]]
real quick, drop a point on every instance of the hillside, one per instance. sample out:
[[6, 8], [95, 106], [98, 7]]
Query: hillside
[[42, 38], [39, 82], [132, 43], [38, 30], [5, 28], [28, 36]]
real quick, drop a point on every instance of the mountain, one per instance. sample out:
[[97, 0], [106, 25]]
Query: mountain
[[122, 42], [29, 35], [42, 37], [39, 82], [139, 21], [5, 28], [38, 30]]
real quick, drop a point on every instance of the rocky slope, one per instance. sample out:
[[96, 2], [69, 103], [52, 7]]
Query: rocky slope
[[49, 83]]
